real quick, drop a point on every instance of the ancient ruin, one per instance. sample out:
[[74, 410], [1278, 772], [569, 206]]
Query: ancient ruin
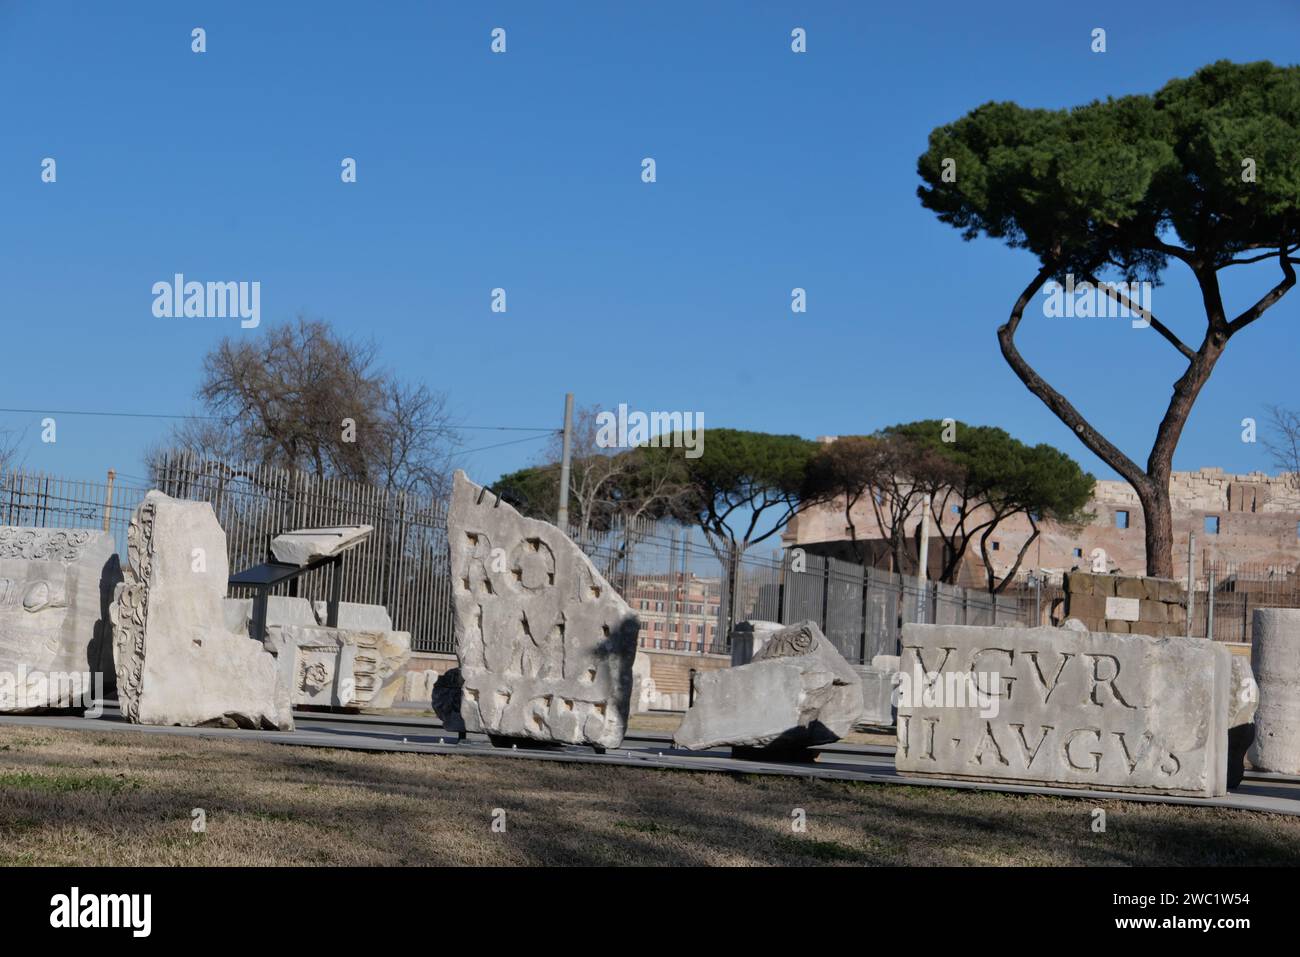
[[177, 661], [1066, 708], [55, 635], [357, 665], [545, 644], [795, 693], [1275, 659], [303, 546], [1243, 701]]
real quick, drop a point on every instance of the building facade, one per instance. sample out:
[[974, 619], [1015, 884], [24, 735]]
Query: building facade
[[1250, 520]]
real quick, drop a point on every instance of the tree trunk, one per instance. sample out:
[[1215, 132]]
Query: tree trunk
[[1158, 516], [1151, 484], [1156, 508]]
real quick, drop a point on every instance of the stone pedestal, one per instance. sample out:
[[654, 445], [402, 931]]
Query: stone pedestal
[[1275, 659]]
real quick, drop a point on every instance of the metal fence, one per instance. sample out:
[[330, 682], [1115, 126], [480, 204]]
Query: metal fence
[[403, 565], [47, 501], [677, 581], [861, 610], [1227, 595], [683, 586]]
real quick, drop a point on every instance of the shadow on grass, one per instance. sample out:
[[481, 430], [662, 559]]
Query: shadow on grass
[[269, 804]]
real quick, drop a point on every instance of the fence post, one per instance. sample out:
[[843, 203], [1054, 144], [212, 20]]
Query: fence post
[[1209, 607], [866, 608], [826, 592], [108, 498]]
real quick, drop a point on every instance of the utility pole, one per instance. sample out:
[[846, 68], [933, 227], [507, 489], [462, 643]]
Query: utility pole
[[562, 513]]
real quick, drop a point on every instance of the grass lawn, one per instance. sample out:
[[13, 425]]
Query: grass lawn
[[80, 798]]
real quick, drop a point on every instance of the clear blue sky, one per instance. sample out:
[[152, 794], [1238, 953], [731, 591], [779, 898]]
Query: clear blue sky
[[522, 171]]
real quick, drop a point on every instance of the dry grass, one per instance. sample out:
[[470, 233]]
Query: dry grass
[[105, 798]]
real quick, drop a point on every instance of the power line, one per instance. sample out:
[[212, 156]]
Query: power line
[[219, 418], [124, 415], [484, 448]]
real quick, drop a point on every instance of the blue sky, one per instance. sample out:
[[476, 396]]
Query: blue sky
[[522, 171]]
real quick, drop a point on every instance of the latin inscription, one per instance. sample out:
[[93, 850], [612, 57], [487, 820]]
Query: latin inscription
[[1103, 711]]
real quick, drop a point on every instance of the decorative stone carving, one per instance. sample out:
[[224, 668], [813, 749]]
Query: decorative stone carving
[[177, 663], [877, 697], [364, 664], [545, 644], [748, 638], [317, 665], [55, 633], [45, 544]]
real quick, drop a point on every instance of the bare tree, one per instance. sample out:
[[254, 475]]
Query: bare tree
[[891, 472], [9, 445], [303, 397], [1283, 442], [606, 482]]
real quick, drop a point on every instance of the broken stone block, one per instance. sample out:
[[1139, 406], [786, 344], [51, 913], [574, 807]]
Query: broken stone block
[[306, 545], [1275, 658], [798, 692], [316, 664], [56, 586], [371, 680], [1242, 704], [177, 662], [1065, 708], [418, 685], [545, 644], [356, 617], [381, 661], [280, 610], [877, 697], [748, 638], [339, 667]]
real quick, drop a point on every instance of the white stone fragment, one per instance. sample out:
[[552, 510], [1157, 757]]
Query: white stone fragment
[[177, 662], [305, 545], [545, 643], [1275, 659], [748, 638], [1073, 709], [56, 586], [355, 616], [797, 692]]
